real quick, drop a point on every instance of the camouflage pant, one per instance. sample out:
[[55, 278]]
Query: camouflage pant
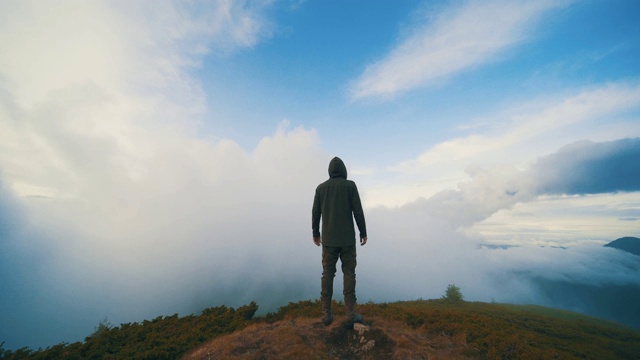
[[347, 256]]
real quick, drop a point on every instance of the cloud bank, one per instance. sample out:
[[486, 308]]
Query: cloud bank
[[576, 169], [590, 168], [114, 202]]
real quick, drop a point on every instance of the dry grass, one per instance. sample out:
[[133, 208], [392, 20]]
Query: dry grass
[[288, 339], [307, 338], [422, 329]]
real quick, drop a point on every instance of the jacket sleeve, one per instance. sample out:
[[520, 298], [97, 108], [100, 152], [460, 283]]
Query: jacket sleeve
[[358, 213], [316, 212]]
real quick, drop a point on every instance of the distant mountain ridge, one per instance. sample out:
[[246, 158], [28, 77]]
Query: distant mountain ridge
[[627, 243]]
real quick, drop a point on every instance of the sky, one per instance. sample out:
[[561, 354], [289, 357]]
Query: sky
[[161, 157]]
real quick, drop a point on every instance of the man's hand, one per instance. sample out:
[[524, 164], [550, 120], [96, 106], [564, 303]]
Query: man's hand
[[317, 240], [363, 240]]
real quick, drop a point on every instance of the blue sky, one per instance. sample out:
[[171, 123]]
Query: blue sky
[[309, 69], [156, 157], [305, 71]]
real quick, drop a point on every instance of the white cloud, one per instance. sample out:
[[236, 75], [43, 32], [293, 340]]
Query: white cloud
[[583, 168], [564, 220], [99, 84], [51, 46], [408, 243], [515, 138], [560, 121], [456, 39], [99, 144]]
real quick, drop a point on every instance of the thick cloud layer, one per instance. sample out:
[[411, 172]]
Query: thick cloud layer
[[580, 168], [114, 202], [201, 228], [590, 168], [199, 239]]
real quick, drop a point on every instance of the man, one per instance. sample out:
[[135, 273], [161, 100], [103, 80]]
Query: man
[[337, 201]]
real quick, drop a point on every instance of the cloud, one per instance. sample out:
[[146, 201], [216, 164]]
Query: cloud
[[119, 45], [487, 192], [114, 203], [580, 168], [520, 129], [414, 253], [590, 168], [434, 240], [453, 40], [96, 84], [202, 224], [515, 139]]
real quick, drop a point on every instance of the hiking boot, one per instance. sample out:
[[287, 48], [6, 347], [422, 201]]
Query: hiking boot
[[327, 316], [352, 316], [352, 319]]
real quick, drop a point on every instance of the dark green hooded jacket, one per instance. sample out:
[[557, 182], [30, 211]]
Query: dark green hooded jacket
[[337, 201]]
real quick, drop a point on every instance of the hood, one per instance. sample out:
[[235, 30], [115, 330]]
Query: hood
[[337, 168]]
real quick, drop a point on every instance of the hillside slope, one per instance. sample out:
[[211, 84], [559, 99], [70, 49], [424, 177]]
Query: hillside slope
[[431, 329]]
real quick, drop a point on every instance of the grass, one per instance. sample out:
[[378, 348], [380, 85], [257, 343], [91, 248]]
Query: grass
[[434, 329], [503, 331]]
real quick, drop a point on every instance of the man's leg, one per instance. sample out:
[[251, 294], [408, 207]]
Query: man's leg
[[330, 257], [348, 260]]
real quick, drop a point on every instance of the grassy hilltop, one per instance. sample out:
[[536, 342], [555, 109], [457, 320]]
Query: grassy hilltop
[[433, 329]]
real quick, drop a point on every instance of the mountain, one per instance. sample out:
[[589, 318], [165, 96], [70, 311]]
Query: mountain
[[421, 329], [629, 244]]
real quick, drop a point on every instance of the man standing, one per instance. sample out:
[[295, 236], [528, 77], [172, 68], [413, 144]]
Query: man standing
[[337, 201]]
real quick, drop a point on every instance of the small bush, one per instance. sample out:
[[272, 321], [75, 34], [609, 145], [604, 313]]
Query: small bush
[[453, 294], [102, 328]]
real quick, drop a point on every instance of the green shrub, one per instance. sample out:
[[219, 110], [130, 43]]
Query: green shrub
[[102, 327], [453, 294]]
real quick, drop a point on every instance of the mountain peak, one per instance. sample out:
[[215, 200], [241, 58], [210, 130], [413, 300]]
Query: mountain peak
[[627, 243]]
